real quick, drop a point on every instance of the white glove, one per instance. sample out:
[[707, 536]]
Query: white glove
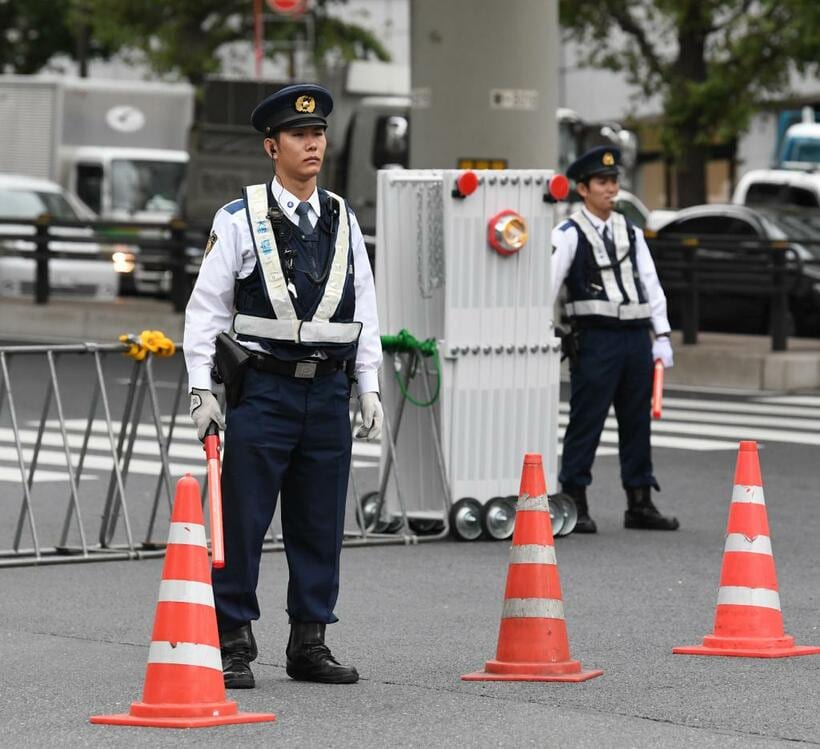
[[204, 410], [662, 349], [372, 416]]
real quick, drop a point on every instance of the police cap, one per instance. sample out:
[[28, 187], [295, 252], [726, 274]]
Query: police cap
[[601, 161], [299, 105]]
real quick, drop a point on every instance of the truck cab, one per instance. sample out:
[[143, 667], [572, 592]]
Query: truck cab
[[141, 185]]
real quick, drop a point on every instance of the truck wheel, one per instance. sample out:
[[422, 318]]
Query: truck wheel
[[465, 519], [498, 518]]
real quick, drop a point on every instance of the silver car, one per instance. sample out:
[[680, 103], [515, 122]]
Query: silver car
[[96, 277]]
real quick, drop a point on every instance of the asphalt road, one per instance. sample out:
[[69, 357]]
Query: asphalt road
[[74, 637]]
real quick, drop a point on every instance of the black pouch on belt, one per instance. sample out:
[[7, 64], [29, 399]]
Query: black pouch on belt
[[231, 361]]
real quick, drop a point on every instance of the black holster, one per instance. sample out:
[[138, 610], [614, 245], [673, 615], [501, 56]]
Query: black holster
[[231, 360]]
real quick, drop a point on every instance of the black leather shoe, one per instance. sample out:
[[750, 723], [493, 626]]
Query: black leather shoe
[[309, 659], [584, 524], [642, 514], [238, 650]]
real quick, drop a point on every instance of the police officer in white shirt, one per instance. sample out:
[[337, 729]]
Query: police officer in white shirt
[[614, 300], [286, 273]]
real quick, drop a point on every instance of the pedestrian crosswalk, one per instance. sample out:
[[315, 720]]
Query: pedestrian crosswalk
[[697, 422]]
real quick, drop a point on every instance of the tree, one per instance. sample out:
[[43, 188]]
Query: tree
[[184, 37], [713, 62], [34, 31]]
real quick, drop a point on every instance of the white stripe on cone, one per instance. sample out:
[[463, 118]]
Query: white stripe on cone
[[739, 596], [536, 608], [539, 503], [756, 545], [186, 591], [188, 534], [185, 654], [751, 494], [532, 554]]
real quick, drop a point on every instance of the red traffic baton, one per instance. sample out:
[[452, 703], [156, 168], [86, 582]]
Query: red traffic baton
[[211, 445], [657, 390]]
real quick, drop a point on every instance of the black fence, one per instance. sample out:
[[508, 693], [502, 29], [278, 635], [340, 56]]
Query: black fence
[[157, 248], [172, 246], [778, 281], [747, 284]]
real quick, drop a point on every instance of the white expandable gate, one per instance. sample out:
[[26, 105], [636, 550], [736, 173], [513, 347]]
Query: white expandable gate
[[438, 277]]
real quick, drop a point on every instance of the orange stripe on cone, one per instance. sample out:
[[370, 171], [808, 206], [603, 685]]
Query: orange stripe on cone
[[184, 686], [532, 638], [748, 618]]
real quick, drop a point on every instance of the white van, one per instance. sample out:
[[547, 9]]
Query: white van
[[778, 187]]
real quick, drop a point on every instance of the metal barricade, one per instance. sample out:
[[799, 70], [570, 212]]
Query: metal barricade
[[91, 447], [94, 450]]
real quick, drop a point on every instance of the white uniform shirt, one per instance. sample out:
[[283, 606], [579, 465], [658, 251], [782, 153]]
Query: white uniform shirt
[[565, 243], [231, 256]]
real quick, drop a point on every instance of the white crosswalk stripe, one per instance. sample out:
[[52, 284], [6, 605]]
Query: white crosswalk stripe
[[700, 424]]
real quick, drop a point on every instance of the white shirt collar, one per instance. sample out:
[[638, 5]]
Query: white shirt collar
[[597, 222], [288, 201]]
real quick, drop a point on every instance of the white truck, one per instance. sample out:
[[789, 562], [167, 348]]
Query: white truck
[[120, 146]]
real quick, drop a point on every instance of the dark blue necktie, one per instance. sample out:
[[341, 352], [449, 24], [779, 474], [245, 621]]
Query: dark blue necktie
[[304, 220], [609, 244]]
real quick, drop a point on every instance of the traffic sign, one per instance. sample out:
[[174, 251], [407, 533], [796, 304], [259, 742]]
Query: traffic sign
[[288, 7]]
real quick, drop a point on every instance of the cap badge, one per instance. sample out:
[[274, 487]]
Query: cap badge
[[305, 104], [608, 159]]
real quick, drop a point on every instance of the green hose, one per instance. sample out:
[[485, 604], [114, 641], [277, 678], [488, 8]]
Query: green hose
[[405, 343]]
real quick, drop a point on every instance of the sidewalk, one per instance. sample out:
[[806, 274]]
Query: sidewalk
[[717, 360]]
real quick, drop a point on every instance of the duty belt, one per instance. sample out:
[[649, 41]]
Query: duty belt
[[304, 369]]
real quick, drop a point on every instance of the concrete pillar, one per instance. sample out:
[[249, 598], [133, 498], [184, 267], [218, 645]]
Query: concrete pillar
[[484, 75]]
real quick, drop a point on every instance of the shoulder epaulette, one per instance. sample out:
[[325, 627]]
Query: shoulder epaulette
[[236, 205]]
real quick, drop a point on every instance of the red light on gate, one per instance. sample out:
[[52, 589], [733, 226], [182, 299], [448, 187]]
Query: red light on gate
[[507, 232], [558, 187], [466, 184]]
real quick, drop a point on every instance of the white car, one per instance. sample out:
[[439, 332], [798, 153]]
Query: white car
[[97, 277]]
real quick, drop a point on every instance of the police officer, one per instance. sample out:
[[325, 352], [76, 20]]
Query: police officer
[[286, 272], [614, 300]]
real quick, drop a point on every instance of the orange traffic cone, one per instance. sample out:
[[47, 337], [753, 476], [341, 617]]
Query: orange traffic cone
[[748, 620], [532, 640], [184, 687]]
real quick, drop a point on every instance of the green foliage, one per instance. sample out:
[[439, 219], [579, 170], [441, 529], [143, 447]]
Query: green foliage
[[713, 62], [184, 37], [34, 31]]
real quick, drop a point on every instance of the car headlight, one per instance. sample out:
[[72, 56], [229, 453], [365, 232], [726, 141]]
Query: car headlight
[[123, 260]]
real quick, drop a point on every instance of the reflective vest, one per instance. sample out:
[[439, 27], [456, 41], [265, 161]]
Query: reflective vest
[[602, 289], [300, 298]]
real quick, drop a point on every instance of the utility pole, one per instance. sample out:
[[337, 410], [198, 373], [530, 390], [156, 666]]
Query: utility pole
[[484, 76]]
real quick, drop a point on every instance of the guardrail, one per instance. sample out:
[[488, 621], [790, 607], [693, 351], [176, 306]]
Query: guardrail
[[94, 445], [777, 272], [173, 246], [165, 246]]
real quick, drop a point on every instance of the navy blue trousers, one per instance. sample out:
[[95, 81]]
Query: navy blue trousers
[[614, 368], [292, 435]]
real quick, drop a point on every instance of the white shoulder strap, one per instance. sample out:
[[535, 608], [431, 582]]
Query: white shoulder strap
[[334, 287], [267, 253]]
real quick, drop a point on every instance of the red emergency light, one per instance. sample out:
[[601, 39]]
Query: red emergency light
[[466, 184], [557, 189]]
